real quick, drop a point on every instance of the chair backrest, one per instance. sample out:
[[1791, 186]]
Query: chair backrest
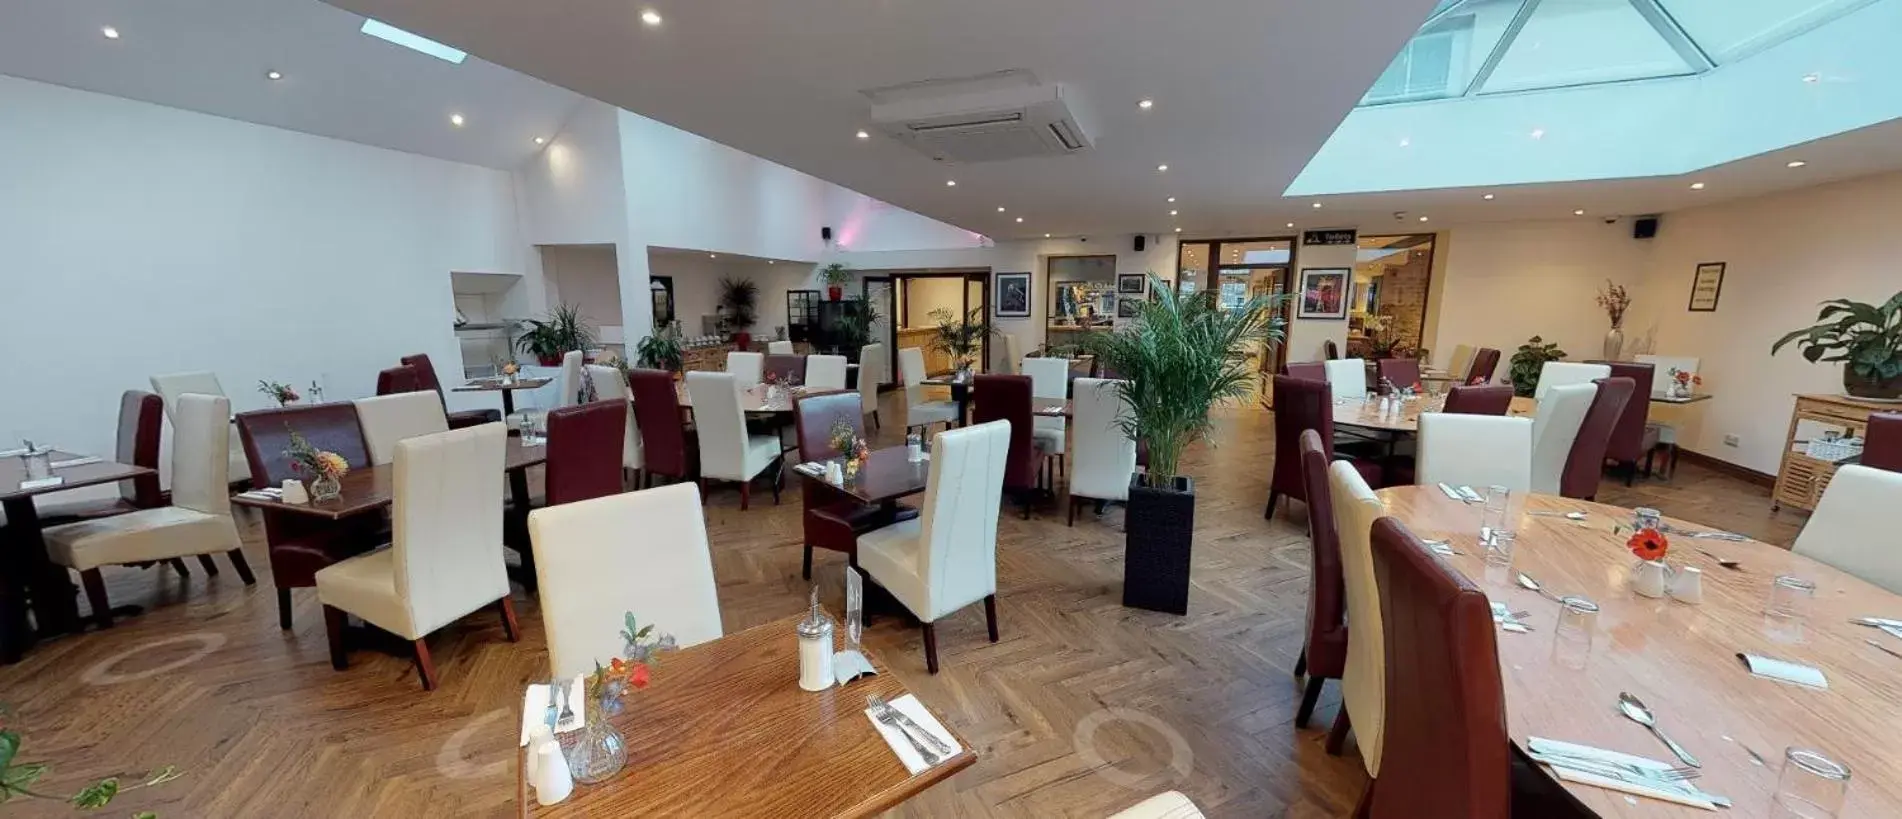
[[611, 385], [1330, 350], [814, 417], [959, 526], [1010, 360], [1443, 748], [267, 433], [779, 348], [1475, 450], [1400, 372], [425, 371], [784, 369], [400, 378], [657, 415], [1105, 455], [911, 373], [1364, 683], [584, 451], [569, 381], [872, 369], [1494, 399], [826, 372], [1561, 373], [720, 423], [1006, 398], [141, 419], [172, 385], [1627, 436], [1554, 429], [1882, 442], [640, 553], [1348, 377], [1327, 591], [201, 453], [1460, 361], [1049, 377], [1309, 370], [387, 419], [1586, 462], [746, 368], [1662, 365], [1853, 527], [1300, 405], [446, 523], [1485, 361]]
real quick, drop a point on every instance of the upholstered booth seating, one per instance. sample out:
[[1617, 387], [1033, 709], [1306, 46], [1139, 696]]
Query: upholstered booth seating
[[1475, 450], [400, 378], [197, 523], [1364, 675], [593, 573], [445, 561], [783, 369], [946, 559], [1006, 398], [584, 451], [727, 452], [387, 419], [668, 448], [1165, 805], [826, 372], [746, 368], [1105, 454], [1347, 377], [170, 386], [1853, 527], [1882, 443], [1554, 429], [873, 366], [1633, 437], [1485, 362], [1324, 653], [1400, 373], [610, 385], [1478, 400], [1586, 461], [1302, 405], [1562, 373], [1307, 370], [779, 348], [141, 415], [832, 521], [918, 411], [1049, 378], [426, 379]]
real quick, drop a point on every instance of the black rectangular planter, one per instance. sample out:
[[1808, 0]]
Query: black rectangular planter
[[1159, 526]]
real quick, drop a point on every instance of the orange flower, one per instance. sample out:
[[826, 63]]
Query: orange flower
[[639, 676], [618, 666], [1649, 544]]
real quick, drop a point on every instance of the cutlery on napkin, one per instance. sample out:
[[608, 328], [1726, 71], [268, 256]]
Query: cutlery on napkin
[[910, 707], [535, 707], [1619, 772], [1451, 493]]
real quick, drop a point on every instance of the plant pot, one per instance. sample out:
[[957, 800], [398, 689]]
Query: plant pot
[[1160, 529], [548, 360], [744, 341], [1862, 387], [835, 292]]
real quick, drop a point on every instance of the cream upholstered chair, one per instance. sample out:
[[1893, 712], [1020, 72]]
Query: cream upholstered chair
[[918, 411], [1561, 373], [643, 553], [873, 365], [1475, 450], [569, 381], [611, 385], [1561, 413], [1165, 805], [825, 372], [946, 558], [1347, 377], [387, 419], [172, 385], [1105, 454], [1364, 682], [1049, 378], [1011, 361], [1853, 527], [727, 452], [746, 368], [1460, 362], [197, 523], [445, 556], [779, 348]]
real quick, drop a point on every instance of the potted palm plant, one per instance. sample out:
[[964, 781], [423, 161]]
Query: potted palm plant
[[548, 339], [1866, 338], [961, 339], [1179, 358], [835, 276], [739, 299]]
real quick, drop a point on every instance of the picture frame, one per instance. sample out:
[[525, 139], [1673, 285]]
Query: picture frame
[[1706, 285], [1010, 292], [1325, 293], [1130, 283], [1129, 307]]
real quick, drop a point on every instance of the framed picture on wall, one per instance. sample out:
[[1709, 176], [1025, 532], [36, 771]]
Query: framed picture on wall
[[1706, 285], [1324, 293], [1012, 295], [1129, 307], [1130, 283]]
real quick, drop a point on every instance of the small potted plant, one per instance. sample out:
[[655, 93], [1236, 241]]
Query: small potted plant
[[283, 394], [855, 328], [1865, 337], [548, 339], [325, 468], [661, 350], [739, 298], [835, 275], [962, 340], [1528, 362]]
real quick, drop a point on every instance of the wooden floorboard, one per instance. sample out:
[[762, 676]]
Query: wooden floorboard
[[1082, 708]]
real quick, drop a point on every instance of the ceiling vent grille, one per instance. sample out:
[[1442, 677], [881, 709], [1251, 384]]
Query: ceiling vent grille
[[986, 125]]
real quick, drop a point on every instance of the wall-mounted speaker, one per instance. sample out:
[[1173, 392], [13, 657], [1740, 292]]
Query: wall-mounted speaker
[[825, 234], [1644, 227], [1141, 241]]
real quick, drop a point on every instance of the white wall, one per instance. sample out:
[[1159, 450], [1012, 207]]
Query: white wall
[[138, 239], [586, 277], [922, 296]]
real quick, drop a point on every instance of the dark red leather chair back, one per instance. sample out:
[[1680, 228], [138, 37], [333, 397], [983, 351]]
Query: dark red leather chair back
[[1330, 350], [1882, 444], [784, 369], [399, 379], [1300, 405], [140, 417], [1586, 462], [1309, 370], [1007, 398], [1327, 590], [815, 415], [267, 433], [1485, 361], [1402, 372], [664, 448], [425, 372], [1627, 436], [1444, 751], [584, 451], [1492, 400]]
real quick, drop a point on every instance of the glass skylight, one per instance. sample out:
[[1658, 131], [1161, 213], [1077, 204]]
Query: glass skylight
[[1731, 29], [416, 42], [1580, 42]]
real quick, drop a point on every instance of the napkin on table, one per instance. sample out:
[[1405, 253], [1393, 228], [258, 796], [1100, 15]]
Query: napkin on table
[[911, 707], [80, 461], [535, 707], [1771, 668], [1683, 793]]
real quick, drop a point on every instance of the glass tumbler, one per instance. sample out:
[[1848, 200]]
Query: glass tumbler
[[1572, 638], [1812, 786], [1790, 598], [1496, 532]]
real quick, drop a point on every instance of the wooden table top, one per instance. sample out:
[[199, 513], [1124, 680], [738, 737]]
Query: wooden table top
[[1364, 414], [1661, 398], [13, 471], [495, 384], [757, 398], [724, 730], [374, 487], [1681, 659], [887, 475]]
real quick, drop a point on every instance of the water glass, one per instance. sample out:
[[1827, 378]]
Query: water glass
[[534, 428], [1643, 518], [38, 464], [1790, 598], [1572, 638], [1496, 532], [1812, 786], [914, 447]]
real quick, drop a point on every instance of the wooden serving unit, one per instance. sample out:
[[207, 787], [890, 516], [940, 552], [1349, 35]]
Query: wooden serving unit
[[1801, 479]]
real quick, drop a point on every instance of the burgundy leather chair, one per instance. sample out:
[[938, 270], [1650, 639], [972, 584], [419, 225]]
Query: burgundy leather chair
[[1586, 462], [1401, 372], [1486, 400], [1302, 405], [1309, 370], [1007, 398], [783, 368], [832, 520], [140, 416], [1485, 361], [1330, 350], [584, 451], [1324, 655], [426, 380], [667, 447], [1882, 443], [1632, 437], [301, 544], [401, 378]]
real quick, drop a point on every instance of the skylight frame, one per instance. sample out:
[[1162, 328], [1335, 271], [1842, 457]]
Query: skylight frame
[[412, 41]]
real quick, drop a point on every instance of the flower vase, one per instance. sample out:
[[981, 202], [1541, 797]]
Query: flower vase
[[1651, 578], [851, 468], [1680, 390], [1614, 344], [601, 751], [325, 488]]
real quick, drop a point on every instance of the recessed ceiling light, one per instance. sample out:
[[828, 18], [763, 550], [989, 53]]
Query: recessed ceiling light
[[1020, 219], [1811, 77], [1579, 212], [1000, 208], [1795, 163], [110, 32], [863, 135], [1423, 218], [650, 17], [1046, 236], [1178, 230], [390, 33], [1317, 206], [456, 120], [1697, 186], [1404, 142], [1487, 197], [541, 140], [274, 75], [1172, 213], [713, 255], [950, 183], [1161, 168], [1538, 133], [1172, 200], [1290, 224], [1146, 104]]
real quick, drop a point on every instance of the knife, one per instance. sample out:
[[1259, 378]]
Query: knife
[[930, 738]]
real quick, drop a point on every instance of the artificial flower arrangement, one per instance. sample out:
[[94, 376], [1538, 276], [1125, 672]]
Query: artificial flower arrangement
[[1615, 301], [318, 463], [846, 441], [1649, 545], [283, 394], [1683, 380], [610, 682]]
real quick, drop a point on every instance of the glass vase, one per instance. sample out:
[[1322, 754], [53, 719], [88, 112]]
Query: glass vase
[[325, 488], [601, 751]]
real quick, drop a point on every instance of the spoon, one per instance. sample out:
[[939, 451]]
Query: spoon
[[1526, 581], [1634, 710], [1728, 564], [1566, 515]]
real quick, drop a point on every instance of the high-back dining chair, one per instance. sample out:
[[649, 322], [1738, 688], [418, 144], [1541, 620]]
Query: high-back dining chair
[[400, 378], [1854, 524], [1324, 654], [727, 452], [784, 369], [1364, 675], [172, 385], [141, 416], [1586, 461], [1105, 454], [300, 545], [1400, 372], [1882, 441], [779, 348], [873, 365], [592, 573], [1050, 379], [1554, 429], [1330, 350], [568, 381], [1302, 405], [1561, 373], [584, 451], [611, 385], [1485, 362], [1011, 356], [946, 559], [826, 372], [667, 446], [1461, 449], [387, 419], [1308, 370], [1006, 398], [426, 379], [918, 411], [746, 368], [1633, 437], [445, 558], [832, 521], [1495, 399], [1347, 377], [1460, 361]]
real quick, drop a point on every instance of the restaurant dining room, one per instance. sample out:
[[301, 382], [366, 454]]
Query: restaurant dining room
[[1389, 409]]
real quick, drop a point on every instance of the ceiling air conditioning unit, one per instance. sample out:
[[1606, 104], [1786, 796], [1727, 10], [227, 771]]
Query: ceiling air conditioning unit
[[986, 126]]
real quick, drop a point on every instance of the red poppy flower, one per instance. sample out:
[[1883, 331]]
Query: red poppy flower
[[1478, 381], [1649, 544], [639, 676]]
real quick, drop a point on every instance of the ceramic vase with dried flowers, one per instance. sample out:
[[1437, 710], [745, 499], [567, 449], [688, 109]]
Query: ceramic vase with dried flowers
[[1614, 300]]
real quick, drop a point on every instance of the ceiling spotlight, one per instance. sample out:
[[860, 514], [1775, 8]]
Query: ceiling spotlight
[[1000, 208], [950, 183], [1317, 206], [456, 120], [1811, 77], [1538, 133], [1697, 186], [1046, 236], [650, 17], [541, 140], [1172, 200], [1178, 230], [1290, 224], [770, 261], [1161, 168], [1020, 219], [1172, 213], [1579, 212], [1795, 163], [1487, 197], [274, 75], [713, 255], [1146, 104], [1423, 218], [863, 135]]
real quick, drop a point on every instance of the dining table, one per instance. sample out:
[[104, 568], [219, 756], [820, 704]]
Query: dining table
[[25, 567], [506, 388], [758, 399], [1681, 660], [964, 391], [1667, 398], [1362, 414], [723, 729]]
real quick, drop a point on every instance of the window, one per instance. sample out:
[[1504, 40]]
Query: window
[[662, 288], [802, 314]]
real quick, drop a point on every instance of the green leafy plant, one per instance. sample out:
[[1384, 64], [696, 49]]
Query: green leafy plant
[[855, 326], [1178, 359], [835, 274], [962, 340], [549, 338], [1867, 339], [18, 779], [1528, 362], [661, 350], [740, 297]]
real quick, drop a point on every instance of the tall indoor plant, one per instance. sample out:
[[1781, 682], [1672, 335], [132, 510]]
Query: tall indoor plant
[[1866, 338], [961, 339], [549, 338], [739, 299], [1176, 361]]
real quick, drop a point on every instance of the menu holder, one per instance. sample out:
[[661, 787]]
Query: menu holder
[[850, 664]]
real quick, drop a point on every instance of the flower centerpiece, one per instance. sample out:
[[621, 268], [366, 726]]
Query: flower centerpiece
[[1651, 577], [1614, 300], [846, 441], [1682, 381], [283, 394], [21, 779], [509, 369], [325, 468], [602, 751]]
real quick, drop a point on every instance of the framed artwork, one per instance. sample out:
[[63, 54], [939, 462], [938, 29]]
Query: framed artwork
[[1706, 285], [1129, 307], [1324, 293], [1130, 283], [1012, 295]]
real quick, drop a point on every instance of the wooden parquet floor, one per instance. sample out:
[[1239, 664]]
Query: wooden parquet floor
[[1083, 708]]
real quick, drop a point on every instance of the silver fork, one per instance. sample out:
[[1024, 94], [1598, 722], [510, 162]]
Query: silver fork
[[879, 703], [888, 716]]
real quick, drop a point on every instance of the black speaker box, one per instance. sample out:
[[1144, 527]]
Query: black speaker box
[[1644, 227]]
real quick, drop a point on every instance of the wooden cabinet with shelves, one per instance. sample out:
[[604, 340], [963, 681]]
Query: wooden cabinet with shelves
[[1801, 479]]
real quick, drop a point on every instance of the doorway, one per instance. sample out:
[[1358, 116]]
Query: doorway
[[1237, 270], [913, 296]]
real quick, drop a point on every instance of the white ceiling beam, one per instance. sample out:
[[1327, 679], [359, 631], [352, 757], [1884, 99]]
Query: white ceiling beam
[[1693, 55], [1511, 33]]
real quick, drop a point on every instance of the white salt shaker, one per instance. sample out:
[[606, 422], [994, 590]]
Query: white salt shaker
[[553, 781], [815, 649], [1688, 585], [536, 736], [294, 491]]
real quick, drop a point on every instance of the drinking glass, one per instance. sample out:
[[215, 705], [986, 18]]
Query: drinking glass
[[1811, 786], [1643, 518], [1572, 638], [534, 430], [1496, 532], [1790, 598]]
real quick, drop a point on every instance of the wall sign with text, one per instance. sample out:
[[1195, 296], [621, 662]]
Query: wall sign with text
[[1329, 237], [1706, 285]]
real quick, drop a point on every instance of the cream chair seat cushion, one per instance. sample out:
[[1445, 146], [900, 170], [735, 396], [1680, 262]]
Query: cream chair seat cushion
[[148, 534], [1047, 440], [1166, 805], [760, 452], [893, 554], [930, 412], [365, 586]]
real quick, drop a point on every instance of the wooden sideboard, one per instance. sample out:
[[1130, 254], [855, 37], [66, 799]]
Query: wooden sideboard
[[1801, 479]]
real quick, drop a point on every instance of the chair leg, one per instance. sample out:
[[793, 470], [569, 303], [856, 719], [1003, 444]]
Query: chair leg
[[1301, 664], [1650, 458], [1273, 496], [1071, 517], [1631, 473], [875, 423], [425, 667], [704, 487], [931, 648], [238, 564], [1337, 736], [509, 627], [1308, 699], [334, 624], [96, 596], [284, 608], [779, 477], [211, 569], [746, 494], [990, 615], [805, 570], [179, 566]]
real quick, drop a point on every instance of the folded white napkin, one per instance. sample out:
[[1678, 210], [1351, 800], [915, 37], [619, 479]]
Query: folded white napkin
[[42, 483], [1451, 493], [1771, 668], [813, 468], [12, 453], [80, 461], [1683, 793], [911, 707], [535, 707]]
